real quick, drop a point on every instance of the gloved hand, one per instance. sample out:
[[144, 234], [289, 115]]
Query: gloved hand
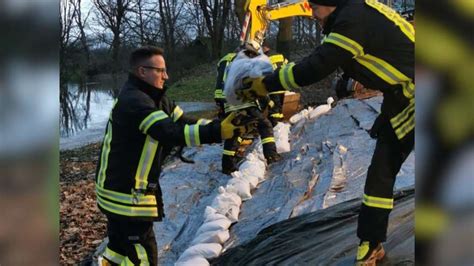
[[230, 128], [253, 88]]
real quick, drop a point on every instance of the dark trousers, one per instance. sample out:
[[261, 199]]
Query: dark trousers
[[132, 240], [265, 129], [275, 114], [388, 157]]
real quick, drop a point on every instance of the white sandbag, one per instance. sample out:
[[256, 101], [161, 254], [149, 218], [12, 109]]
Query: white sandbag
[[253, 180], [216, 225], [219, 237], [303, 114], [210, 214], [241, 67], [239, 186], [192, 261], [322, 109], [281, 132], [227, 203], [206, 250], [253, 168]]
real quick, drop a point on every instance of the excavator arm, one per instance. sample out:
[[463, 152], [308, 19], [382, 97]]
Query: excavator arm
[[259, 14]]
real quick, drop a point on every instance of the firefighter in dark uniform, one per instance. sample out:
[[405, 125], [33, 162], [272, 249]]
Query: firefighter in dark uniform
[[253, 109], [375, 46], [142, 129]]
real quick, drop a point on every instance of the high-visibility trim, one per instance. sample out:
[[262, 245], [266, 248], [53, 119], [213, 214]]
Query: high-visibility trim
[[131, 211], [268, 140], [276, 92], [228, 153], [228, 57], [362, 250], [393, 16], [104, 157], [113, 256], [146, 160], [277, 115], [141, 254], [379, 67], [177, 113], [219, 94], [191, 135], [406, 127], [278, 58], [287, 78], [203, 121], [239, 139], [403, 115], [125, 198], [113, 106], [230, 108], [151, 119], [126, 262], [377, 202]]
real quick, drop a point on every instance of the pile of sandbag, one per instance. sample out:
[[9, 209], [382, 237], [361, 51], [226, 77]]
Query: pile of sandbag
[[223, 211]]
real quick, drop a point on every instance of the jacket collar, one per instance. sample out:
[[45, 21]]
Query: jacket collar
[[152, 91], [332, 18]]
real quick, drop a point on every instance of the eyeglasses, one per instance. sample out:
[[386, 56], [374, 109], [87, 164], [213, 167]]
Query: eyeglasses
[[158, 69]]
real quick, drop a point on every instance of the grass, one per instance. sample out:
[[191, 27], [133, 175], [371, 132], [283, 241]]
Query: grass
[[198, 86]]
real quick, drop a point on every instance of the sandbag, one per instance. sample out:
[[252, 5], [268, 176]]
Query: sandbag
[[216, 225], [321, 109], [206, 250], [210, 214], [217, 236], [193, 261], [281, 132], [228, 204], [253, 168], [253, 180], [239, 186], [241, 67]]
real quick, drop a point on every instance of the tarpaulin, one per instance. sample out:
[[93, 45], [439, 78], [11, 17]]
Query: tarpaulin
[[327, 237]]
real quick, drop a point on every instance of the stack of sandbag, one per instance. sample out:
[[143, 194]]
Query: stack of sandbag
[[281, 133], [224, 210]]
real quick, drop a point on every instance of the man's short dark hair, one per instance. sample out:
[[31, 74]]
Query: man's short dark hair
[[138, 56]]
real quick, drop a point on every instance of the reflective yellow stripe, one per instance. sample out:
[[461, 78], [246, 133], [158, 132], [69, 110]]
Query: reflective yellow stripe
[[230, 108], [177, 113], [219, 94], [141, 254], [228, 153], [132, 211], [403, 115], [362, 250], [389, 13], [191, 135], [239, 139], [151, 119], [126, 262], [276, 92], [277, 115], [287, 79], [268, 140], [125, 198], [228, 57], [276, 58], [146, 160], [383, 203], [379, 67], [113, 256], [406, 127], [104, 157], [203, 121]]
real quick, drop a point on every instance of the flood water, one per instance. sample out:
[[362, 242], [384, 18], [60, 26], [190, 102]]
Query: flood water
[[88, 109]]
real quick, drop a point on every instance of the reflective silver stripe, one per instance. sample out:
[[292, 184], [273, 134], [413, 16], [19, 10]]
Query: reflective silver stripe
[[151, 119], [113, 256], [348, 44], [125, 198], [230, 108], [191, 135], [228, 153], [132, 211], [104, 157], [177, 113], [141, 254], [146, 160], [203, 121]]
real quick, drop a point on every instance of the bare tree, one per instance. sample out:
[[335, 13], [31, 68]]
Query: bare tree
[[144, 21], [170, 11], [216, 13], [285, 35]]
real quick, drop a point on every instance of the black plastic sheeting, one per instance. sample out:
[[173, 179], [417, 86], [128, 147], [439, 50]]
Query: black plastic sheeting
[[327, 237]]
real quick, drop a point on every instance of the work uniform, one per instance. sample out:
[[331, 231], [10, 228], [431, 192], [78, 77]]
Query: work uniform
[[375, 46], [264, 126], [275, 112], [142, 129]]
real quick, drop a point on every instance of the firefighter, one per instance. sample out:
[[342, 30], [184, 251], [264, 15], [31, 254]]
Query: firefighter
[[143, 127], [375, 46], [253, 109]]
